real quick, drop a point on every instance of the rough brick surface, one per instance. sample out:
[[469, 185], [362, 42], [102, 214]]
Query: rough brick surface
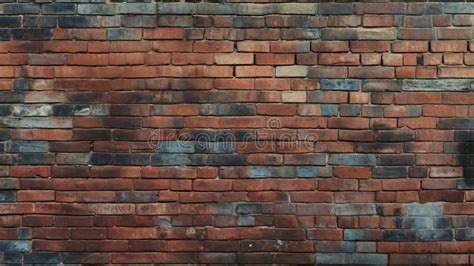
[[236, 132]]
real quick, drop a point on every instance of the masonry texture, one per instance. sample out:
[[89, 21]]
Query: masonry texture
[[304, 133]]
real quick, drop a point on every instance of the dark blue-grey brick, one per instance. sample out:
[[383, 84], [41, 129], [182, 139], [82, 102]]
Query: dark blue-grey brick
[[137, 8], [470, 222], [78, 22], [396, 159], [136, 196], [464, 135], [355, 209], [59, 8], [441, 223], [339, 34], [369, 258], [350, 109], [435, 235], [213, 147], [142, 21], [465, 234], [336, 8], [226, 159], [224, 208], [18, 146], [5, 34], [361, 234], [81, 257], [459, 147], [390, 172], [352, 159], [458, 8], [306, 159], [424, 8], [245, 220], [340, 84], [333, 258], [313, 171], [10, 22], [120, 159], [123, 34], [31, 21], [414, 222], [11, 97], [8, 183], [48, 22], [305, 34], [271, 171], [24, 233], [178, 159], [395, 135], [15, 246], [41, 257], [329, 109], [4, 134], [20, 9], [240, 109], [31, 34], [97, 9], [399, 235], [5, 110], [22, 84], [456, 221], [248, 22], [132, 159], [7, 196], [35, 158], [328, 246], [92, 134], [6, 159], [465, 184], [456, 123], [246, 208], [175, 21], [176, 8], [176, 147], [63, 110], [425, 209], [11, 258]]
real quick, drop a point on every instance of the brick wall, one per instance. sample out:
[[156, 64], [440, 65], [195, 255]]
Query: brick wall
[[236, 133]]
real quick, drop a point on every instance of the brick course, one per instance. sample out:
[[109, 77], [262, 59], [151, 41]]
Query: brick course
[[236, 132]]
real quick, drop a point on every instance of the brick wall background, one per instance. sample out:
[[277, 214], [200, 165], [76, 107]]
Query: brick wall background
[[236, 132]]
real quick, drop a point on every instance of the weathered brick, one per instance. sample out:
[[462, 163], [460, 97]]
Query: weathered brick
[[31, 34], [78, 22], [23, 8], [176, 8], [352, 159], [137, 8], [123, 34], [297, 8], [336, 9], [336, 84], [59, 8], [291, 71]]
